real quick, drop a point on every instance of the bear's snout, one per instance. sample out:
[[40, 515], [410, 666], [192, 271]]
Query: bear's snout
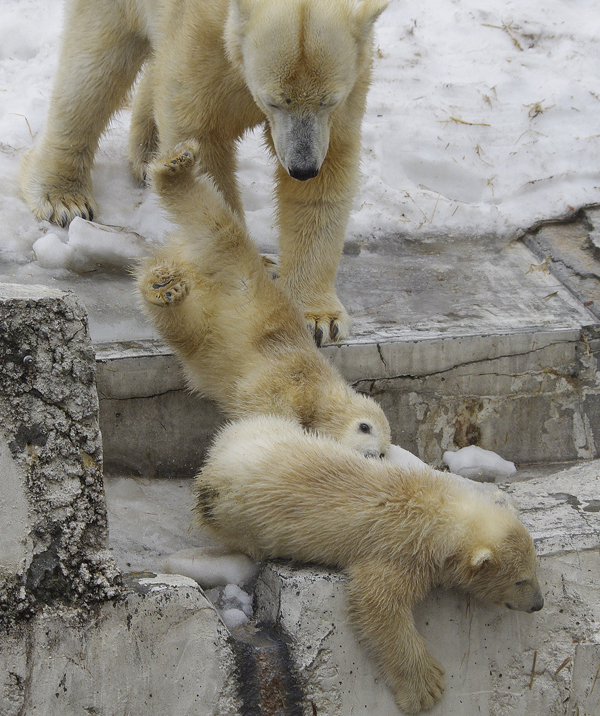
[[531, 605], [302, 173], [538, 603]]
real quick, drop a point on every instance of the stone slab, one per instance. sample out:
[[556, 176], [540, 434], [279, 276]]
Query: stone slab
[[160, 648], [531, 396], [51, 491]]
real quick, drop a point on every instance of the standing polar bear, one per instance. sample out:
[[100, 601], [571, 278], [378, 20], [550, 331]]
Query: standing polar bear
[[240, 338], [215, 69], [272, 490]]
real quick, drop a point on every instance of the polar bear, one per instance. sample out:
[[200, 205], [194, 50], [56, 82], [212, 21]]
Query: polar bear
[[273, 490], [216, 68], [240, 338]]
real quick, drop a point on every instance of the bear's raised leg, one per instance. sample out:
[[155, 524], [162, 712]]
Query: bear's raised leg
[[173, 175], [381, 598], [102, 52]]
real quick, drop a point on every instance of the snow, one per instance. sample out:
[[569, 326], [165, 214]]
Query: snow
[[211, 570], [152, 529], [482, 119], [404, 458], [476, 463], [89, 245]]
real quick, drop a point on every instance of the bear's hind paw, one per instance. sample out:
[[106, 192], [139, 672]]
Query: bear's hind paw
[[176, 162], [164, 288]]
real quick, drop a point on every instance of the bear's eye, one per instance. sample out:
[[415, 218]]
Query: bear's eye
[[521, 582], [364, 428]]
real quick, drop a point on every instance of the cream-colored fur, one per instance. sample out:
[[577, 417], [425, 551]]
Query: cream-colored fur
[[218, 67], [272, 490], [240, 338]]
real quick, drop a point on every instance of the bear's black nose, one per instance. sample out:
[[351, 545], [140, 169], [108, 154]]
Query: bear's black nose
[[303, 173], [538, 604]]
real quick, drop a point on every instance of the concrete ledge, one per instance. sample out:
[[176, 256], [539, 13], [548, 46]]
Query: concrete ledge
[[531, 396], [158, 649]]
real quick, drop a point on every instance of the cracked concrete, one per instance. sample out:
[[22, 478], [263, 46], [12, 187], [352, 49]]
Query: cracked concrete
[[51, 456]]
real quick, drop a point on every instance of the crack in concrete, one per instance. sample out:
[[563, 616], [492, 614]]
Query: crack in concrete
[[104, 396], [456, 366], [379, 351]]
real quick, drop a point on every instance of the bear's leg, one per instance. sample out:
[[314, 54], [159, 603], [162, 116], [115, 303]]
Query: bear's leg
[[312, 218], [100, 56], [381, 599], [143, 133], [172, 174]]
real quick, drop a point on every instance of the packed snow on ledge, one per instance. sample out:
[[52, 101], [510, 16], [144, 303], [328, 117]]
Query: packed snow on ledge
[[482, 119]]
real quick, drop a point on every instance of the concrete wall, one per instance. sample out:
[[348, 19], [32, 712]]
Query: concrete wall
[[529, 396], [54, 542]]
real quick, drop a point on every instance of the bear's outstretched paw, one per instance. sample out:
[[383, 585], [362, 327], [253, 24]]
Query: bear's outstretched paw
[[163, 286], [423, 688]]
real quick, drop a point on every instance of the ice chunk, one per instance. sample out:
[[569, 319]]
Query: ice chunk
[[234, 618], [211, 570], [233, 604], [478, 464], [232, 594], [50, 252], [90, 245], [404, 458], [97, 245]]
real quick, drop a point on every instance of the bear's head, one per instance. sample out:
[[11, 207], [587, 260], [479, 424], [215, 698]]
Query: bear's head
[[300, 61], [498, 564]]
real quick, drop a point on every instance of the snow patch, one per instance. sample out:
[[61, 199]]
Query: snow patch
[[476, 463]]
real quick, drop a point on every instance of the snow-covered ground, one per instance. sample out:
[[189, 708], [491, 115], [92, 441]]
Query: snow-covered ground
[[483, 118]]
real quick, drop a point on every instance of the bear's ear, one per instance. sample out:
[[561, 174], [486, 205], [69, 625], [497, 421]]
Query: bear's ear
[[367, 12], [480, 556]]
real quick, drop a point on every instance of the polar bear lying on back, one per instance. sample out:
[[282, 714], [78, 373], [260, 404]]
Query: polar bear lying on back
[[273, 490], [241, 340]]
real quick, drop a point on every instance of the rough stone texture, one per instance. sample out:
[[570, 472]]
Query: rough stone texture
[[571, 251], [156, 650], [488, 652], [51, 491], [531, 397]]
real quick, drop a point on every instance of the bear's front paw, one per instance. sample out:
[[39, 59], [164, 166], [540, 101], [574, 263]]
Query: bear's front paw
[[423, 688], [328, 326], [163, 286]]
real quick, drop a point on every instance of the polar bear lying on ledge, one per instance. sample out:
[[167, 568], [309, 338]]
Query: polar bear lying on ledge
[[273, 490]]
